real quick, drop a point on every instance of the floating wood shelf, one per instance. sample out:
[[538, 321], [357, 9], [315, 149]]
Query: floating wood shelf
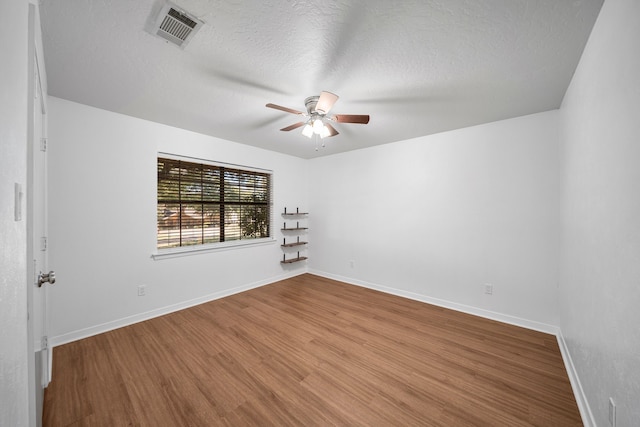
[[292, 260], [290, 245]]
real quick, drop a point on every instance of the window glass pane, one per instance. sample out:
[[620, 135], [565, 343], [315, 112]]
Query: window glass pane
[[211, 228], [211, 184], [168, 225], [254, 221], [231, 186], [168, 183], [191, 184], [232, 222], [261, 222], [191, 225], [247, 215]]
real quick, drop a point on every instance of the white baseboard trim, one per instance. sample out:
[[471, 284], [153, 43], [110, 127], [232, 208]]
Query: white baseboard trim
[[504, 318], [130, 320], [578, 391]]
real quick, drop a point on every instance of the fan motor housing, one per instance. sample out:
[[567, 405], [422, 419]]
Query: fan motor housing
[[311, 103]]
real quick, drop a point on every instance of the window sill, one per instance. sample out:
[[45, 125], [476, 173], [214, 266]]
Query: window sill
[[203, 249]]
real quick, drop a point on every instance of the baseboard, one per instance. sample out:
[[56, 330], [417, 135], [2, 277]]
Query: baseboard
[[504, 318], [130, 320], [578, 391]]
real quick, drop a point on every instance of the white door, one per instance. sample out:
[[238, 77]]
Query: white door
[[39, 192], [40, 278]]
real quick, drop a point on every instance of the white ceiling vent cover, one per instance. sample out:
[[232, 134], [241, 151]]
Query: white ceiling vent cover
[[173, 24]]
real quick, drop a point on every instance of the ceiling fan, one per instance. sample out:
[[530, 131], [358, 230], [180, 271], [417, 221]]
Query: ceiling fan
[[318, 118]]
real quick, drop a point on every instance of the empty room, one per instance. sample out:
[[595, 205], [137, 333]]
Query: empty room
[[306, 213]]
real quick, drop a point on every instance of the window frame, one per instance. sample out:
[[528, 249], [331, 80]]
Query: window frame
[[175, 251]]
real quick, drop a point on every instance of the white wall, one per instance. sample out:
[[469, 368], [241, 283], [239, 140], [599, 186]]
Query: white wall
[[14, 397], [102, 216], [600, 274], [437, 217]]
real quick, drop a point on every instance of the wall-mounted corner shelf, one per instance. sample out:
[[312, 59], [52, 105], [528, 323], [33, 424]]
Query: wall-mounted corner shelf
[[288, 231]]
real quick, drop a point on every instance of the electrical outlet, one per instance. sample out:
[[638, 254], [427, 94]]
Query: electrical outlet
[[612, 412], [142, 290], [488, 289]]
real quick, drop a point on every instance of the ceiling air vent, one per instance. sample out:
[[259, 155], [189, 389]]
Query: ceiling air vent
[[173, 24]]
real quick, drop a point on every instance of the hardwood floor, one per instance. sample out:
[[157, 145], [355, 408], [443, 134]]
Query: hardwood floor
[[311, 351]]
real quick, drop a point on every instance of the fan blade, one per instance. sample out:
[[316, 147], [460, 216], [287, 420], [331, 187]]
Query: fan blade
[[352, 118], [332, 130], [285, 109], [325, 102], [292, 127]]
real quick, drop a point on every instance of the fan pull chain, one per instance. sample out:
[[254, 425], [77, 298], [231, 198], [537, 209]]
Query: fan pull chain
[[318, 142]]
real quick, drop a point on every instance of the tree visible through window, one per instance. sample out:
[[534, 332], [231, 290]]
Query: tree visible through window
[[200, 203]]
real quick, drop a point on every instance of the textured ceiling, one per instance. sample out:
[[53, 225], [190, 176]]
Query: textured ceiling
[[416, 67]]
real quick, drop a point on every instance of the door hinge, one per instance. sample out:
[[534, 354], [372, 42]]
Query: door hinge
[[45, 343], [43, 144], [43, 243]]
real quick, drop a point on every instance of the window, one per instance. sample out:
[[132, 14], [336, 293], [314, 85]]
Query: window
[[200, 203]]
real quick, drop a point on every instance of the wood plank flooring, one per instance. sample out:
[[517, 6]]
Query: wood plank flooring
[[309, 351]]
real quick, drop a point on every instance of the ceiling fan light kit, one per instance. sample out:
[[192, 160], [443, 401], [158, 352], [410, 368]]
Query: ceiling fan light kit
[[317, 116], [307, 130]]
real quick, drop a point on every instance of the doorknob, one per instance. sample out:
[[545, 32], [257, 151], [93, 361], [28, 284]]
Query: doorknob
[[48, 277]]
